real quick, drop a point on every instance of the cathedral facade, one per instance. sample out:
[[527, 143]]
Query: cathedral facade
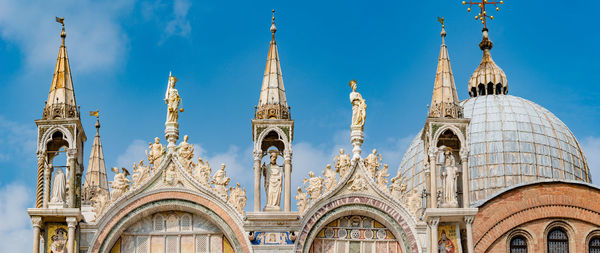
[[492, 173]]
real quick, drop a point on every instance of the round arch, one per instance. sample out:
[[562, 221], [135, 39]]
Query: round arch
[[365, 206], [265, 132], [455, 131], [47, 137], [111, 229]]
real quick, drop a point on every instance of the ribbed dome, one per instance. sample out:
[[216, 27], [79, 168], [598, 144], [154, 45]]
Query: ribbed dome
[[512, 140], [488, 78]]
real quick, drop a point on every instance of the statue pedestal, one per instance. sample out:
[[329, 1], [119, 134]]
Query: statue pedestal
[[356, 138], [172, 135], [57, 205], [272, 209]]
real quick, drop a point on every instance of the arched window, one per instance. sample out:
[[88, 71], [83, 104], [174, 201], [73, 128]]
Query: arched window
[[490, 89], [518, 244], [481, 89], [594, 245], [558, 241]]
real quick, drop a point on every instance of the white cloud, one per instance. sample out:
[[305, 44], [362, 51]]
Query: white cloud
[[393, 151], [95, 38], [591, 149], [135, 152], [16, 226], [180, 25], [17, 140]]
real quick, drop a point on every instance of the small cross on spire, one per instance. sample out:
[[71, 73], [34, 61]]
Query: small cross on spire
[[483, 14]]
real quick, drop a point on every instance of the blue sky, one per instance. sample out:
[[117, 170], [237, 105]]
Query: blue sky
[[121, 53]]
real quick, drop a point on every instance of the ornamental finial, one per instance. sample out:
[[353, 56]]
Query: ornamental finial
[[483, 13], [441, 20], [63, 34], [273, 28]]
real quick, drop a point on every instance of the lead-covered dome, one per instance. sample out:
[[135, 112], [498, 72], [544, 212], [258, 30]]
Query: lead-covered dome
[[511, 140]]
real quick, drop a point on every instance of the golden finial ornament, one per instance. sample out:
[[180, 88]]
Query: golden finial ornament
[[441, 20], [95, 113], [483, 13]]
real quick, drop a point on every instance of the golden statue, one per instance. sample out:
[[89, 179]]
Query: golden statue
[[359, 107], [172, 100]]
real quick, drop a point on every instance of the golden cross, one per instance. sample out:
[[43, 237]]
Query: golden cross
[[483, 14]]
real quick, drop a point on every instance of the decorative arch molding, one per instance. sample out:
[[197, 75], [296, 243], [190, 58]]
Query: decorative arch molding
[[112, 227], [565, 226], [529, 238], [394, 219], [456, 131], [47, 137], [588, 238], [532, 214], [266, 131]]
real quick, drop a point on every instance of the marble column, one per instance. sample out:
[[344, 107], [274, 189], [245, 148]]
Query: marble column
[[433, 177], [433, 228], [465, 180], [287, 170], [72, 183], [257, 157], [39, 191], [36, 221], [469, 225], [71, 223], [47, 173]]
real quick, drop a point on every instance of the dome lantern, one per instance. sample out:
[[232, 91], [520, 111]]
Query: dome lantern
[[488, 78]]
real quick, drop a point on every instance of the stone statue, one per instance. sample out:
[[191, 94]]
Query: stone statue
[[449, 176], [140, 173], [202, 172], [155, 155], [359, 107], [220, 182], [120, 183], [186, 153], [172, 100], [413, 201], [59, 187], [301, 200], [398, 188], [237, 198], [315, 185], [357, 183], [273, 181], [170, 176], [382, 178], [372, 162], [330, 178], [99, 202], [342, 163]]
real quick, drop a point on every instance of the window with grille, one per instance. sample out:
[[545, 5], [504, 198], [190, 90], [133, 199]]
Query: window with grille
[[594, 246], [518, 244], [558, 241]]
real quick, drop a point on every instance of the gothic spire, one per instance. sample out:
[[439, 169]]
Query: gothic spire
[[61, 99], [444, 101], [95, 177], [272, 103]]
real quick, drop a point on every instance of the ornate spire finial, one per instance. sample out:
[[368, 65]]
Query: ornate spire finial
[[273, 28], [483, 14], [443, 34], [63, 34]]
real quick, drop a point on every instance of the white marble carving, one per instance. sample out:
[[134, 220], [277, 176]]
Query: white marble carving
[[273, 182], [120, 183], [140, 173], [357, 183], [398, 188], [186, 154], [172, 99], [373, 162], [330, 178], [155, 155], [382, 178], [342, 163], [237, 198], [202, 172], [301, 200], [359, 107], [220, 182], [315, 185], [449, 179], [170, 176], [59, 187]]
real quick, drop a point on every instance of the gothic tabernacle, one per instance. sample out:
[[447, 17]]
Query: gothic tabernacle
[[492, 173]]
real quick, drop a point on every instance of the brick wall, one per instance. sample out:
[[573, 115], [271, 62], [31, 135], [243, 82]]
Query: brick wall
[[531, 209]]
